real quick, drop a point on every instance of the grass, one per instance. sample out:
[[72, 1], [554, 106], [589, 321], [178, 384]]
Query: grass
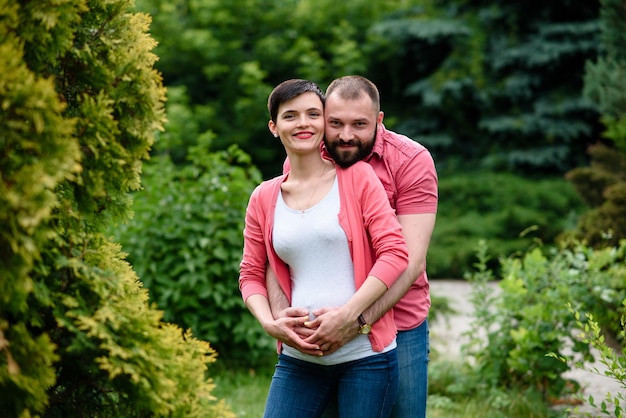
[[244, 389]]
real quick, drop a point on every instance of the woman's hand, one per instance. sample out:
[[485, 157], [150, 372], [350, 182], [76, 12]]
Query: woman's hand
[[332, 329], [289, 328]]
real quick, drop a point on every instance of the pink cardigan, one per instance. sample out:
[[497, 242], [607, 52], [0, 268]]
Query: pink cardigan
[[364, 212]]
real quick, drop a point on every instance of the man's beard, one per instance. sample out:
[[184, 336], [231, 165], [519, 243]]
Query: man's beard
[[347, 158]]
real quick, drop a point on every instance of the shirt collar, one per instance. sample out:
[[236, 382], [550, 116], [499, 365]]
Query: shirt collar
[[378, 144]]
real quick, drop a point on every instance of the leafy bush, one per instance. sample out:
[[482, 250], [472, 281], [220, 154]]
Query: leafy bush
[[501, 209], [529, 317], [186, 240], [591, 333]]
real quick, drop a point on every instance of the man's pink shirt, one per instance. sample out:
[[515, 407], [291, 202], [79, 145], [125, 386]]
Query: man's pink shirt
[[407, 171]]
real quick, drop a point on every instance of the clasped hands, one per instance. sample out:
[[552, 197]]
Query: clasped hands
[[330, 330]]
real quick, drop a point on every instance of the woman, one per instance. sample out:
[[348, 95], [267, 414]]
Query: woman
[[332, 240]]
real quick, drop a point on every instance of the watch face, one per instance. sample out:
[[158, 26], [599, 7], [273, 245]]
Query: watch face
[[365, 329]]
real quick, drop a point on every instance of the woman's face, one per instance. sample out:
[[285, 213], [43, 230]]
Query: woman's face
[[300, 123]]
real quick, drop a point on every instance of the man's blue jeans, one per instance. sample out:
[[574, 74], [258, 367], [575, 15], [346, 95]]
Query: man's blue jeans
[[413, 351], [365, 388]]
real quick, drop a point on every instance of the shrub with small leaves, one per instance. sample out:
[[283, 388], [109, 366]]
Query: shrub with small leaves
[[186, 240], [590, 332], [529, 317]]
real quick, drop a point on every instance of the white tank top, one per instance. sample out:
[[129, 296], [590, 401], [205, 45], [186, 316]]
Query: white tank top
[[315, 247]]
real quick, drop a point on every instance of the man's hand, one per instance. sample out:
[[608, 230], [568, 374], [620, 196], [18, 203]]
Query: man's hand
[[331, 329], [289, 328]]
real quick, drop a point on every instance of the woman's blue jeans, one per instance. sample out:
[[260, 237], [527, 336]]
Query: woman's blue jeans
[[365, 388], [413, 357]]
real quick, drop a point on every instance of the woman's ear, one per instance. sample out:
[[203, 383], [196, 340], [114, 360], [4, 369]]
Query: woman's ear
[[272, 126]]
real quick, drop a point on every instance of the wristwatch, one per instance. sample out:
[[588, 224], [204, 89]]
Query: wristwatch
[[364, 327]]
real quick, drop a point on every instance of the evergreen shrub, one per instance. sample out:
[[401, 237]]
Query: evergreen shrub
[[603, 186], [505, 210], [603, 183], [78, 336]]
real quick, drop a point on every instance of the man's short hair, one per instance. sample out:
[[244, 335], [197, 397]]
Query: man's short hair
[[352, 87]]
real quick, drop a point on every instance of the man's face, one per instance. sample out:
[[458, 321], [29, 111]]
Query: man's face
[[350, 128]]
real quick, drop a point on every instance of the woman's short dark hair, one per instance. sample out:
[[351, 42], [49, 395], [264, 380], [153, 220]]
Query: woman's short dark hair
[[288, 90]]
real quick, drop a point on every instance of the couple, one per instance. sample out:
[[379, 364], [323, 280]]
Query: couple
[[340, 257]]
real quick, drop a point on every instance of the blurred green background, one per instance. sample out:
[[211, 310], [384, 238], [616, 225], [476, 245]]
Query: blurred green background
[[495, 90]]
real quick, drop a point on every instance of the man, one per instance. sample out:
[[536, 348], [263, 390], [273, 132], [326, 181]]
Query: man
[[354, 131]]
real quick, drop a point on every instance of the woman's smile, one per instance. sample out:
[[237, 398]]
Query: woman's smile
[[304, 135]]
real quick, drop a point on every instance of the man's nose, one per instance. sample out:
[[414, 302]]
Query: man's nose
[[346, 133]]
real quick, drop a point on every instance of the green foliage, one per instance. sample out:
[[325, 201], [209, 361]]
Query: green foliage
[[502, 77], [455, 390], [80, 102], [227, 56], [528, 318], [507, 211], [37, 153], [604, 78], [185, 242], [452, 393], [245, 389], [591, 333], [118, 358], [603, 186]]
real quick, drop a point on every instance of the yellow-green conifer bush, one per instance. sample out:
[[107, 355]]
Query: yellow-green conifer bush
[[80, 102]]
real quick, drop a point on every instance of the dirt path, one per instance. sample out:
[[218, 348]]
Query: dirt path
[[447, 339]]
